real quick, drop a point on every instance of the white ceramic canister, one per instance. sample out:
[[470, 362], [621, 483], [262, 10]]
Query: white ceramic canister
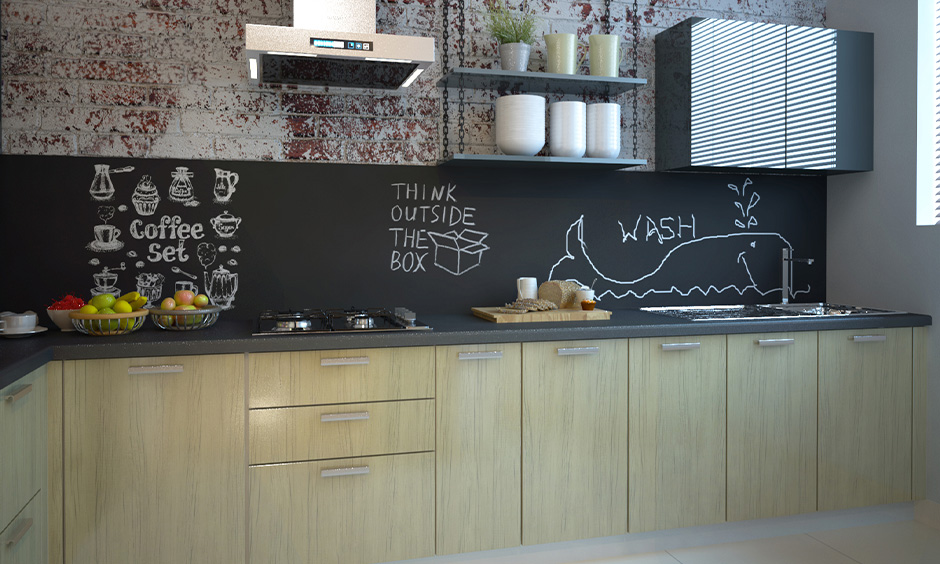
[[603, 130], [520, 124], [566, 129]]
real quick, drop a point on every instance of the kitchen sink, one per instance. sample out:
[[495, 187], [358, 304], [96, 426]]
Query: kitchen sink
[[777, 311]]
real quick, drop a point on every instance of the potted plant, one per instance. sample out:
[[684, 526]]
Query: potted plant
[[515, 32]]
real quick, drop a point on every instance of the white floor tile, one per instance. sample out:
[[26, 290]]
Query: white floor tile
[[891, 543], [793, 549]]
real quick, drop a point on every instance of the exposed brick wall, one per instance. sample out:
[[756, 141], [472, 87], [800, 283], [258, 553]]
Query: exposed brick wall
[[167, 79]]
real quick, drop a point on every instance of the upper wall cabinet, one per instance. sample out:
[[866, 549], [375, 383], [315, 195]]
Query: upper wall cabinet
[[734, 95]]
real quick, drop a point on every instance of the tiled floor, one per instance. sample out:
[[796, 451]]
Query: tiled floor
[[905, 542]]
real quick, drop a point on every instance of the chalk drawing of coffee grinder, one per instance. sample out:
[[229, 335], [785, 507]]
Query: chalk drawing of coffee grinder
[[106, 281]]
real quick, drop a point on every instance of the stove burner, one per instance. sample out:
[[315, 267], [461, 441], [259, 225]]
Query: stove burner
[[336, 320]]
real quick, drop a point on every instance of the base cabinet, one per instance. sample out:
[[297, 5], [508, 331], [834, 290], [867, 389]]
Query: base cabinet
[[349, 511], [574, 440], [677, 432], [771, 425], [865, 409], [479, 447], [23, 460], [154, 458]]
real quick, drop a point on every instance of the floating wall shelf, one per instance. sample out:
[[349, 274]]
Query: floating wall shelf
[[539, 82], [541, 162]]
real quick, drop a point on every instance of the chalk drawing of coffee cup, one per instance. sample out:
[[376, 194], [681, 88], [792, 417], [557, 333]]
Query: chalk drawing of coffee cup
[[225, 224], [106, 239]]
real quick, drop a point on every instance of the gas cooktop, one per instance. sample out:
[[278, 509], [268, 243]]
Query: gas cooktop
[[337, 320]]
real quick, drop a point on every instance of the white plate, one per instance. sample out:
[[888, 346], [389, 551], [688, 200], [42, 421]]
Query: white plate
[[37, 329]]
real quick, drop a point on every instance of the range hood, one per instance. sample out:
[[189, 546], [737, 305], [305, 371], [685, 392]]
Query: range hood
[[333, 43]]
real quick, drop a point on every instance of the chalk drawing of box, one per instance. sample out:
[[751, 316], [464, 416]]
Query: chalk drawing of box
[[458, 252]]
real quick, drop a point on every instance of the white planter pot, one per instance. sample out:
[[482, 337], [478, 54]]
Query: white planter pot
[[603, 131], [566, 129]]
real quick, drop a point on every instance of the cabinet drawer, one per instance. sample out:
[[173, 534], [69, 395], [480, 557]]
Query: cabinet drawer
[[293, 434], [24, 539], [23, 440], [300, 515], [341, 376]]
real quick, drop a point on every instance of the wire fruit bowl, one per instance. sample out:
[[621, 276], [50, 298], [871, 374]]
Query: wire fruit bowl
[[185, 319], [106, 324]]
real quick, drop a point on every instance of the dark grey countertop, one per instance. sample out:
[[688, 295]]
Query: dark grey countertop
[[19, 356]]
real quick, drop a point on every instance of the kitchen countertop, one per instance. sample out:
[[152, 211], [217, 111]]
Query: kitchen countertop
[[20, 356]]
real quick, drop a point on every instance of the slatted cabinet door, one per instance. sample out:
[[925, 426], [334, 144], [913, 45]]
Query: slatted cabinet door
[[479, 445], [771, 425], [155, 460], [677, 432], [574, 440], [865, 407]]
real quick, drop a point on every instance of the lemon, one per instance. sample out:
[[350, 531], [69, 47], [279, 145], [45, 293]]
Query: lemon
[[88, 308], [121, 306]]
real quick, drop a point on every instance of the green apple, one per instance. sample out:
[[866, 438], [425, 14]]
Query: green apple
[[201, 300], [102, 301]]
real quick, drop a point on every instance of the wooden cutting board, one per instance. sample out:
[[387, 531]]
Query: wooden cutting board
[[491, 314]]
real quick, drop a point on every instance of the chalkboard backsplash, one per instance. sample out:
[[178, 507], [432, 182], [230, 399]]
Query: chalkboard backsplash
[[258, 235]]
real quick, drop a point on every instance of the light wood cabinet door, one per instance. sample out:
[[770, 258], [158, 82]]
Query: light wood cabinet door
[[348, 511], [155, 467], [479, 443], [24, 539], [340, 376], [22, 443], [771, 425], [574, 440], [677, 432], [865, 408]]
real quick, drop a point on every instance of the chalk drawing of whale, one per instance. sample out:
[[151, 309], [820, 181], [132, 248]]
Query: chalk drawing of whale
[[730, 269]]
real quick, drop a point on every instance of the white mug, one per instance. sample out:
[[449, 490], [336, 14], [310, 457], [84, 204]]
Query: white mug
[[18, 322], [583, 294], [528, 288]]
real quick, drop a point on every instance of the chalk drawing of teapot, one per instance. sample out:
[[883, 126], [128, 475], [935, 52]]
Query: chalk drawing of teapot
[[225, 224]]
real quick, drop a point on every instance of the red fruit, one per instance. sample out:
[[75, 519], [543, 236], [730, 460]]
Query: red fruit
[[184, 297], [168, 303]]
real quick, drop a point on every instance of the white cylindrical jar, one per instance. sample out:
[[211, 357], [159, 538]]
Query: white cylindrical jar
[[520, 124], [566, 129], [603, 130]]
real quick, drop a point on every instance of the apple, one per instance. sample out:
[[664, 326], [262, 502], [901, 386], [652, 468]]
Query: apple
[[102, 301], [186, 320], [168, 303], [201, 300], [184, 297]]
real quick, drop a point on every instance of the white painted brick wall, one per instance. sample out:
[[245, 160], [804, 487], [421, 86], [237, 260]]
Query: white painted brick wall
[[167, 79]]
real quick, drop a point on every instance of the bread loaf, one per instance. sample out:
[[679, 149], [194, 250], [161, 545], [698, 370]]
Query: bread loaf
[[561, 292]]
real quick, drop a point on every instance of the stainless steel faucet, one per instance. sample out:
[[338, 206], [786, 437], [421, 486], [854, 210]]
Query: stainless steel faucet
[[788, 272]]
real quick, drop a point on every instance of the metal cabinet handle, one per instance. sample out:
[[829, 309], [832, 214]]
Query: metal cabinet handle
[[354, 416], [344, 361], [351, 471], [775, 342], [20, 393], [575, 351], [156, 369], [479, 355], [20, 532], [680, 346], [869, 338]]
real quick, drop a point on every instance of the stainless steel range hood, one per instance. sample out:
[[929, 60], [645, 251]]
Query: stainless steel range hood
[[333, 43]]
